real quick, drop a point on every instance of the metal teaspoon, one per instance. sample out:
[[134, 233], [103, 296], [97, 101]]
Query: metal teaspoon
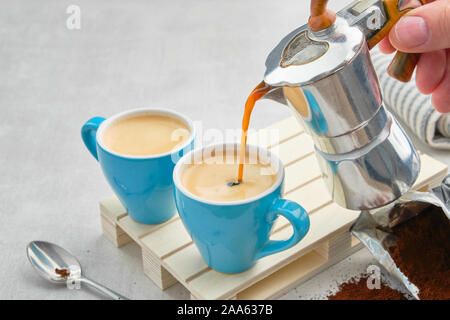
[[58, 266]]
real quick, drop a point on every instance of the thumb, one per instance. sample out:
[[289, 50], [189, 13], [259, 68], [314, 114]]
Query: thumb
[[423, 29]]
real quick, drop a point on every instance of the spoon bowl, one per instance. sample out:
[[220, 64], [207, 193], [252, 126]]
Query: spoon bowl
[[47, 257]]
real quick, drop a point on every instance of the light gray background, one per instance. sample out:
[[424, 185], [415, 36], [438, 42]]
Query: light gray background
[[199, 57]]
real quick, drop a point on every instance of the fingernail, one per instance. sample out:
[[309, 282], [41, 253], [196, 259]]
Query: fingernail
[[412, 31]]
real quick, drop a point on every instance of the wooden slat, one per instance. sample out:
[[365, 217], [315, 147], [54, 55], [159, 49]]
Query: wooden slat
[[301, 172], [279, 223], [112, 208], [163, 278], [283, 280], [114, 233], [283, 130], [312, 196], [335, 246], [167, 240], [293, 149], [431, 172], [186, 263], [135, 229], [138, 230]]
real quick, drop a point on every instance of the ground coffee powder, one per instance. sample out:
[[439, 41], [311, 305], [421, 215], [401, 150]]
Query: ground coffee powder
[[422, 253], [357, 289]]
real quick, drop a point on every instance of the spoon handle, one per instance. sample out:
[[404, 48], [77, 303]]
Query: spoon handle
[[114, 295]]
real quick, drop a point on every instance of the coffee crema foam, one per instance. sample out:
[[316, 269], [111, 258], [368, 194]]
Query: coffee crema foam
[[146, 135], [210, 179]]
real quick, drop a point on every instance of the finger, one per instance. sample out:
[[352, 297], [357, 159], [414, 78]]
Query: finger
[[430, 70], [441, 95], [386, 46], [424, 29]]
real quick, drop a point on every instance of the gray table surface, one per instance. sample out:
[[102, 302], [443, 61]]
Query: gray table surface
[[198, 57]]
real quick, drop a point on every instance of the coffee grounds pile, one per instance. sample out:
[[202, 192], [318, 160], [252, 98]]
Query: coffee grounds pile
[[356, 289], [422, 253]]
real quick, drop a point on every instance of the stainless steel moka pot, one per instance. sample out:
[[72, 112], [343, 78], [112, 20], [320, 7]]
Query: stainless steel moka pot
[[324, 73]]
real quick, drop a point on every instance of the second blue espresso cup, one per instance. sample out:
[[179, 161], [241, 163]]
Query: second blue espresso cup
[[143, 184], [232, 235]]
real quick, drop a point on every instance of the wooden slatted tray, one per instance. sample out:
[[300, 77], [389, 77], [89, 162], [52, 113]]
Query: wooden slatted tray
[[169, 255]]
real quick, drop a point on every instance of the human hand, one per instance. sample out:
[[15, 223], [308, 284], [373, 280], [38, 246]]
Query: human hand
[[426, 30]]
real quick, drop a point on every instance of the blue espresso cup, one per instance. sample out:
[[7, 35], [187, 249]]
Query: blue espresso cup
[[143, 184], [232, 235]]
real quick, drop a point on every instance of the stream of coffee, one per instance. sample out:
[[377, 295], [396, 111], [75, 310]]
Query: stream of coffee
[[257, 93]]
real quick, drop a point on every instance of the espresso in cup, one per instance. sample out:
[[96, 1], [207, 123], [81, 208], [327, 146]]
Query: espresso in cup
[[146, 135], [214, 178], [231, 223], [137, 151]]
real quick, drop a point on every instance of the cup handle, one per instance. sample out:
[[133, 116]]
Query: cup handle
[[299, 219], [89, 132]]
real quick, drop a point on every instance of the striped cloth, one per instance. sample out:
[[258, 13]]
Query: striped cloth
[[412, 107]]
